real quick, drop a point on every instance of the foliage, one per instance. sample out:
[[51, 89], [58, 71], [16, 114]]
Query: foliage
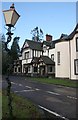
[[4, 53], [10, 55], [37, 34], [15, 49]]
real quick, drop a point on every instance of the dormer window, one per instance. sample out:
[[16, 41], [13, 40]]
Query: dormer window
[[77, 44]]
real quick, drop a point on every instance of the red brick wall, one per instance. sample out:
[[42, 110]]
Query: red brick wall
[[48, 37]]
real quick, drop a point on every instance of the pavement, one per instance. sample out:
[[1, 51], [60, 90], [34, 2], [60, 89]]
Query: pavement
[[57, 100]]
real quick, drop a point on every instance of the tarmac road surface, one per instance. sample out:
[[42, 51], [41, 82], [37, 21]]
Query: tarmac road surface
[[57, 100]]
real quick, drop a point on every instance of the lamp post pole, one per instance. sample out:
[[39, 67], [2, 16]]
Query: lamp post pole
[[11, 17], [8, 73]]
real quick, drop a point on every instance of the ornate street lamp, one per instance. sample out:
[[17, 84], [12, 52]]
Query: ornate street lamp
[[11, 17]]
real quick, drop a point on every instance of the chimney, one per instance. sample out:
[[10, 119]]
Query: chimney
[[48, 37]]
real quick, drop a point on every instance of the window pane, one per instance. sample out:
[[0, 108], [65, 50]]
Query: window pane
[[58, 58], [35, 69], [19, 69], [15, 70], [76, 66], [26, 55], [76, 44], [52, 57]]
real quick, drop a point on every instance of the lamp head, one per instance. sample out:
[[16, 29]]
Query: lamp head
[[11, 16]]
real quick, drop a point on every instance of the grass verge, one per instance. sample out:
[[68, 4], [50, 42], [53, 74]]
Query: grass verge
[[63, 82], [22, 108], [0, 104]]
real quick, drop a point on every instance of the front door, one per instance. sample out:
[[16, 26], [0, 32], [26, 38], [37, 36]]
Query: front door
[[26, 70]]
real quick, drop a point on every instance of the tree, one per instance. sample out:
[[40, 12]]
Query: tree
[[15, 49], [37, 34], [10, 55], [4, 55]]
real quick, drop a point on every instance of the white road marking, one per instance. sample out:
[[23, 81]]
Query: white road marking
[[25, 91], [37, 89], [52, 93], [14, 83], [28, 86], [71, 97], [54, 113], [20, 84]]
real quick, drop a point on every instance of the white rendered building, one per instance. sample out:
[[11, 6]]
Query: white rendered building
[[51, 57]]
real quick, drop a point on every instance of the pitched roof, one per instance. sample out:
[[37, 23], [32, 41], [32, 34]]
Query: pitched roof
[[34, 45], [51, 44], [65, 37], [47, 43], [73, 33], [47, 60], [35, 60]]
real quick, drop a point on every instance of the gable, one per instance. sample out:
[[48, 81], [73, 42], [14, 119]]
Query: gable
[[40, 60], [25, 45]]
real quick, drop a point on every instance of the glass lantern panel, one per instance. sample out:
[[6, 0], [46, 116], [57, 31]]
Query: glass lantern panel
[[14, 18], [8, 16]]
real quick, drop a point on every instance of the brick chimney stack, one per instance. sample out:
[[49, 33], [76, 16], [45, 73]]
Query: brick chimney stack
[[48, 37]]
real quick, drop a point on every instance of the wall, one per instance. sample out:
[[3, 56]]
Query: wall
[[37, 53], [62, 70], [46, 50], [52, 51], [74, 55], [26, 61]]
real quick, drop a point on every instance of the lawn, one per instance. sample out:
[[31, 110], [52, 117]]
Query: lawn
[[63, 82], [22, 108]]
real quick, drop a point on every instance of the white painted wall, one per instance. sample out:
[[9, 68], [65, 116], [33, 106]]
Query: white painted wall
[[26, 50], [20, 58], [62, 70], [46, 51], [32, 53], [74, 55], [37, 53]]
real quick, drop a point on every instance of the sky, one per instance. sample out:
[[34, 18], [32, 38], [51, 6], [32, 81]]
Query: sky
[[53, 18]]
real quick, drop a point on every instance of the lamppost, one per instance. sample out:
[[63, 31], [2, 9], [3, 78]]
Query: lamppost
[[11, 17]]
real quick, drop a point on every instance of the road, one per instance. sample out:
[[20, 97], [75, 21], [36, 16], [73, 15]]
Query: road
[[57, 100]]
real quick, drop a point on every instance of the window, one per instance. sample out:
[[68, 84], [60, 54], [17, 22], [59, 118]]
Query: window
[[76, 67], [58, 58], [15, 69], [52, 57], [26, 55], [35, 69], [29, 68], [19, 69], [50, 68], [77, 44]]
